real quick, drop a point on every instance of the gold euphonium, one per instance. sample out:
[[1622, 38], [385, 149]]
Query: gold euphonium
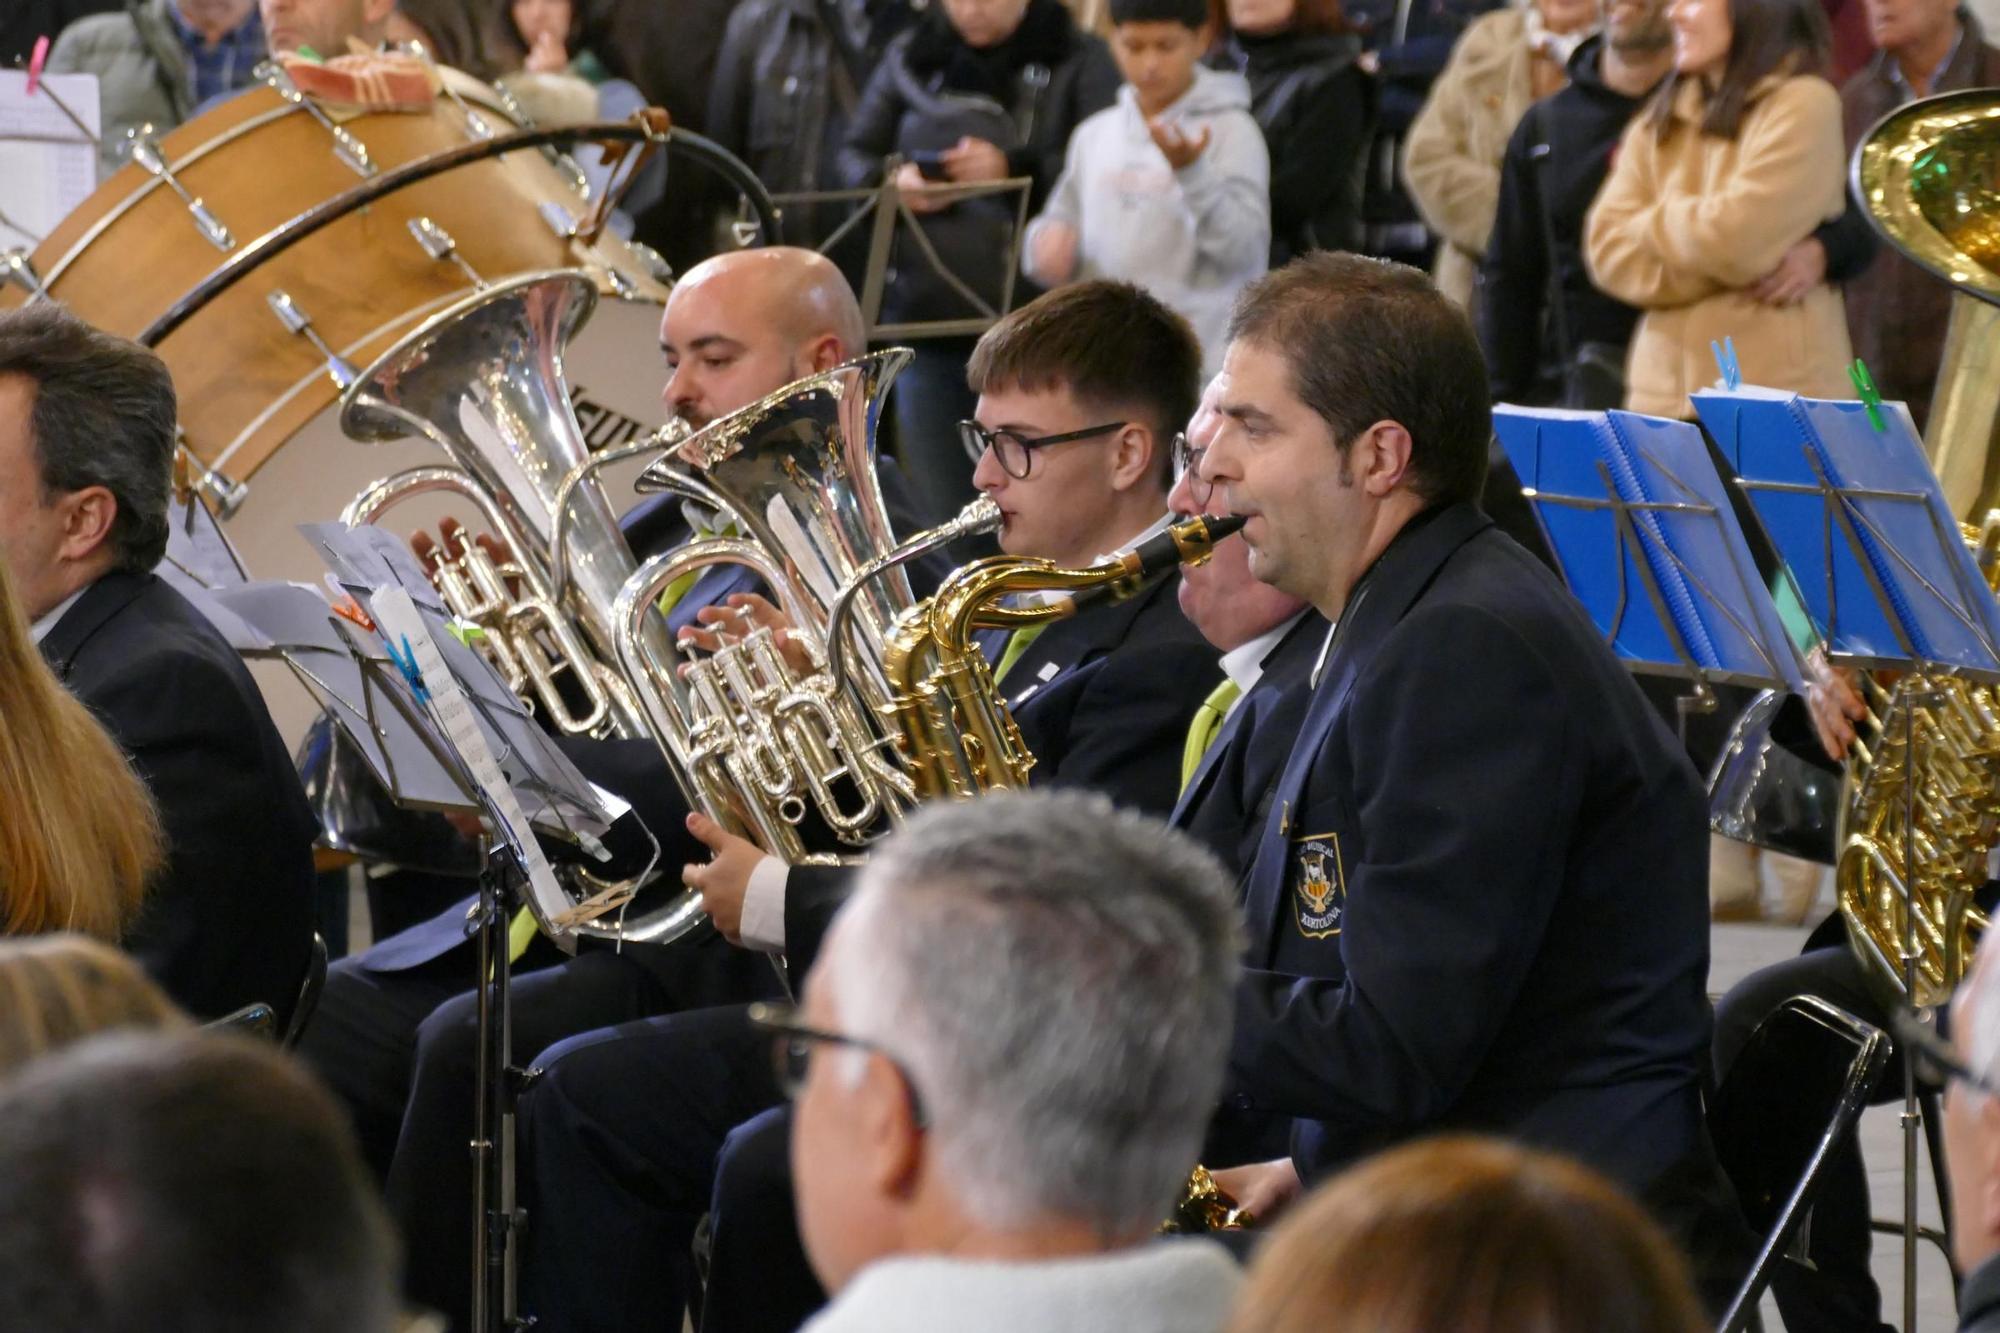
[[1927, 178]]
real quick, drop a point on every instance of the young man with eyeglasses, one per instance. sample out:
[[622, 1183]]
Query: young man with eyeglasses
[[622, 1131]]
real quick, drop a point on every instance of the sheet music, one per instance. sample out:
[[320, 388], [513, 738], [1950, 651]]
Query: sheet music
[[48, 164], [403, 626]]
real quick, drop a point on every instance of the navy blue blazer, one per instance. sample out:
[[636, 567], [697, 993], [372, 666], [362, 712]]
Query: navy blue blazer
[[1225, 801], [1103, 701], [1479, 901], [228, 919]]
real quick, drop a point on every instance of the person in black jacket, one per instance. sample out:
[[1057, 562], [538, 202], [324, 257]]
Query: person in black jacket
[[1562, 341], [86, 452], [787, 79], [1440, 905], [1317, 111], [989, 90]]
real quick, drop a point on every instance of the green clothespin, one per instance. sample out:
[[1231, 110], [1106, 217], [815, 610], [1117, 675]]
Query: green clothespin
[[310, 54], [1871, 397]]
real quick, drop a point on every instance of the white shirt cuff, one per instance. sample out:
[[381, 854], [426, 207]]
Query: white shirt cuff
[[764, 906]]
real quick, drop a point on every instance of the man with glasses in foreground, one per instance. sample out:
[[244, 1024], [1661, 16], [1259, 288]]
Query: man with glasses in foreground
[[1007, 1053], [1971, 1066]]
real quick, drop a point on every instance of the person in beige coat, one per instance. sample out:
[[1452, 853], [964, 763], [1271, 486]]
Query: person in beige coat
[[1506, 60], [1702, 221]]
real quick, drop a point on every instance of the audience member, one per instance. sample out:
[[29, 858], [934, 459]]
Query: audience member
[[1005, 1059], [1505, 61], [541, 62], [1550, 336], [1314, 104], [787, 81], [1404, 48], [158, 62], [1896, 311], [1706, 220], [185, 1182], [1972, 1145], [447, 30], [86, 449], [325, 27], [60, 988], [1170, 188], [79, 837], [1470, 1235], [981, 90]]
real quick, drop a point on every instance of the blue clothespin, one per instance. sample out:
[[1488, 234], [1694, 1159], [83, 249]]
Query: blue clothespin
[[406, 662], [1871, 397], [1725, 362]]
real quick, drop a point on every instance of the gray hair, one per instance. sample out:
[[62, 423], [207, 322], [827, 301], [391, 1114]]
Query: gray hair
[[1975, 1017], [1056, 976], [103, 416]]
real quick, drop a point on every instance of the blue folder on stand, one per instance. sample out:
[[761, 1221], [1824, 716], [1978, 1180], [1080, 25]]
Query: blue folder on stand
[[1856, 513], [1641, 527]]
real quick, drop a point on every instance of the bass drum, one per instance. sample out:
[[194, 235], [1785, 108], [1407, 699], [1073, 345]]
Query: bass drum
[[282, 197]]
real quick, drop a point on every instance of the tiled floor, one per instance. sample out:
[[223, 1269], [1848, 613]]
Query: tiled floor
[[1740, 950]]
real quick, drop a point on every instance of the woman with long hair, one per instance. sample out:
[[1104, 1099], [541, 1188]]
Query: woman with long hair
[[1706, 219], [1470, 1235], [78, 835]]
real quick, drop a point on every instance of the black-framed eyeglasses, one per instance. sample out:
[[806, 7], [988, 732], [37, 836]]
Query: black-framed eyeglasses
[[1936, 1062], [1187, 468], [1015, 451], [791, 1052]]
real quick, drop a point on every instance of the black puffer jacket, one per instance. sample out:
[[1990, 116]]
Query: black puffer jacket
[[1023, 95], [1316, 108]]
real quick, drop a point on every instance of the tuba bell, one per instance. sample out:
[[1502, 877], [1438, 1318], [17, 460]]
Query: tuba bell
[[483, 380]]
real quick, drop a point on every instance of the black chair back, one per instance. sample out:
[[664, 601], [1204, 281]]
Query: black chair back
[[315, 982], [1799, 1084]]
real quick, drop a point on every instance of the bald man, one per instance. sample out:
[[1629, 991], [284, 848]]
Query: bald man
[[324, 27], [395, 1032]]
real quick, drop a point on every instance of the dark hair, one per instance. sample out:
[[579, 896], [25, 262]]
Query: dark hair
[[1112, 345], [1308, 16], [454, 36], [1473, 1235], [1766, 37], [190, 1181], [1188, 13], [1369, 340], [103, 416]]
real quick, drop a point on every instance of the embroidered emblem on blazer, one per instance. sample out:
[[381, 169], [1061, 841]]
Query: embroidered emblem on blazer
[[1319, 885]]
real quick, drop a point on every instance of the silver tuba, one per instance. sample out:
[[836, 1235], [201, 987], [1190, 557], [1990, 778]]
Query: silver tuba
[[764, 746], [483, 380]]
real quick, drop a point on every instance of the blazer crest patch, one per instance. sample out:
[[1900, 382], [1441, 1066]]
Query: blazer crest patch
[[1319, 885]]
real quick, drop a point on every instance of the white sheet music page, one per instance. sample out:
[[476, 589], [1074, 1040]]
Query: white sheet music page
[[48, 165], [404, 630]]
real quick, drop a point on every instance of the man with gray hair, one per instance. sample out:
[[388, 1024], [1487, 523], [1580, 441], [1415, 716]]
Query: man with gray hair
[[1009, 1048], [1972, 1143], [86, 458]]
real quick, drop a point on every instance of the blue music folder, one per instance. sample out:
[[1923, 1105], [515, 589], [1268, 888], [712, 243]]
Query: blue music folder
[[1640, 524], [1858, 517]]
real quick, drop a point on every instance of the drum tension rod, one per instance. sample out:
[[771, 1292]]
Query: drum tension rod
[[346, 147], [15, 266], [145, 150], [439, 245], [299, 323]]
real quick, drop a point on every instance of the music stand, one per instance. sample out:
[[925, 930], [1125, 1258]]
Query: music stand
[[1641, 528], [1853, 508]]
